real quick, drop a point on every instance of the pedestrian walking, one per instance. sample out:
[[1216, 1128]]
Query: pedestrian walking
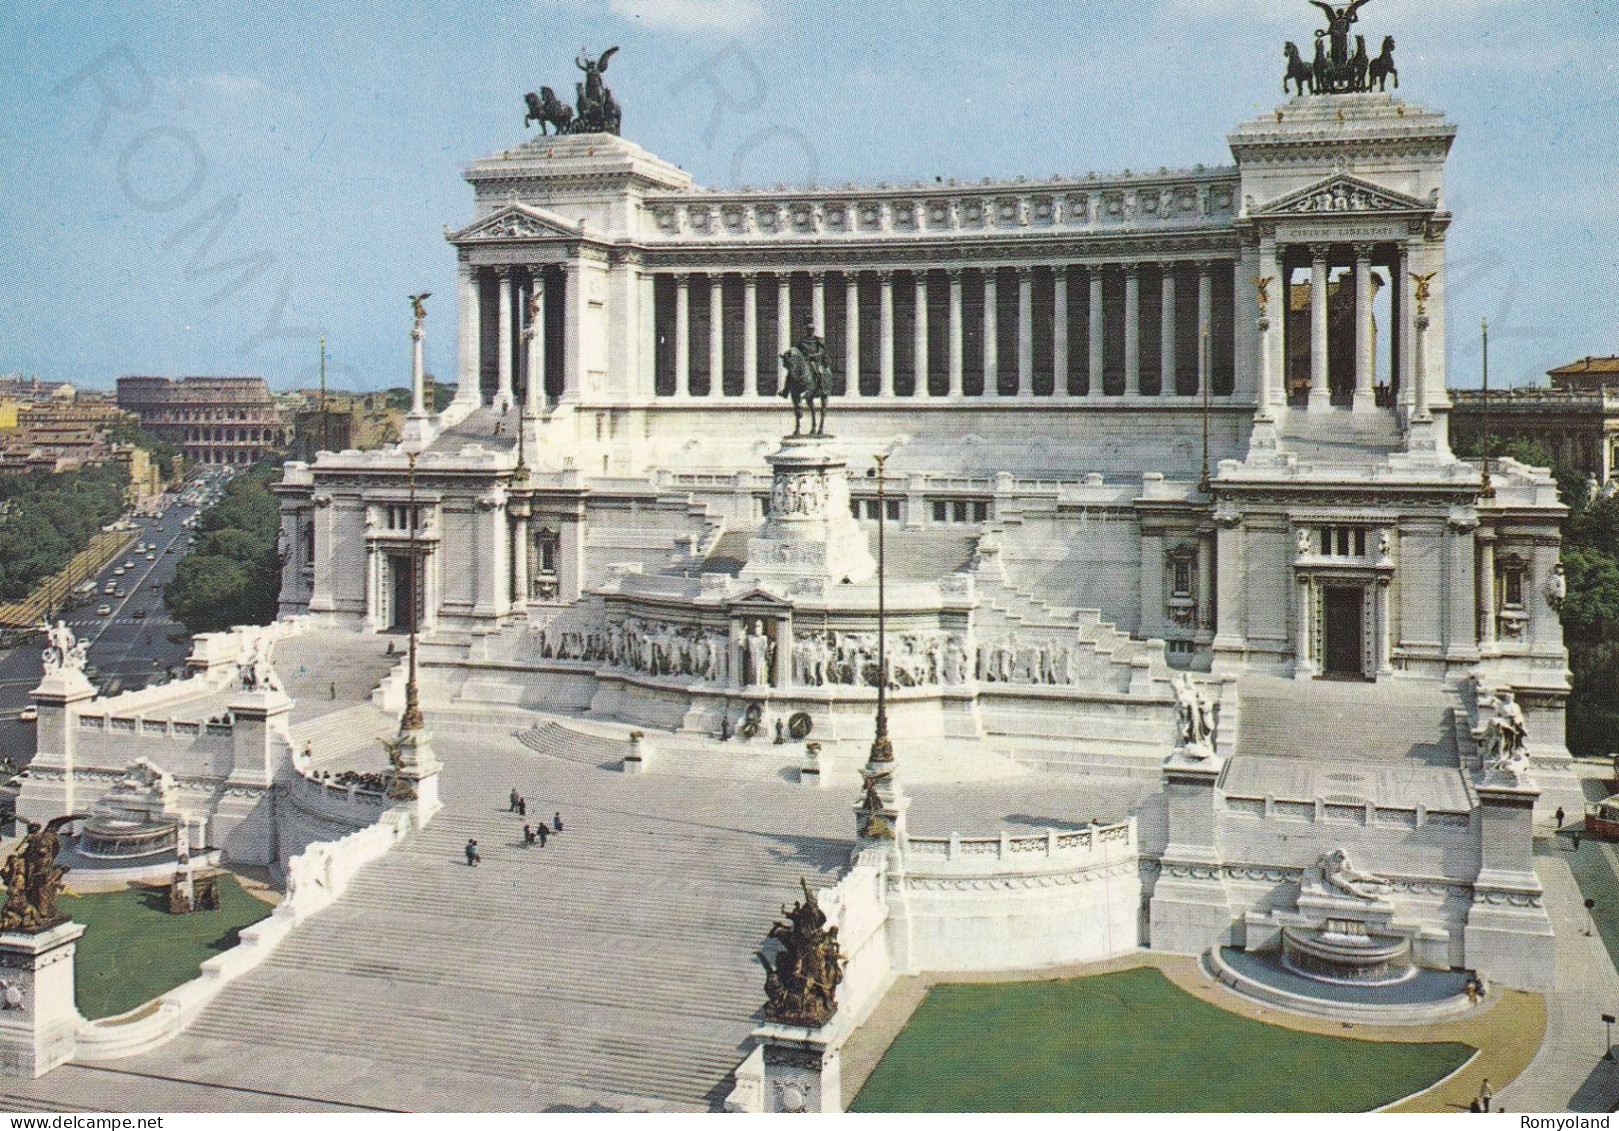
[[334, 689], [543, 832], [1576, 839], [472, 853], [1485, 1094], [1472, 992], [511, 804], [522, 806], [556, 823], [1559, 816], [528, 835]]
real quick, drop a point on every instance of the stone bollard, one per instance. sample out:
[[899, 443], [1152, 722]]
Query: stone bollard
[[810, 772], [39, 1022], [635, 756]]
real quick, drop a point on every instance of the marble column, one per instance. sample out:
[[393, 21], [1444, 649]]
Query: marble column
[[682, 335], [716, 335], [750, 334], [1097, 325], [955, 332], [520, 563], [1059, 330], [919, 351], [885, 332], [535, 361], [649, 335], [784, 314], [1304, 657], [851, 331], [1205, 582], [468, 323], [1320, 394], [992, 347], [1025, 331], [1132, 330], [1205, 322], [1486, 585], [503, 395], [1166, 332], [818, 301], [1365, 362], [418, 399]]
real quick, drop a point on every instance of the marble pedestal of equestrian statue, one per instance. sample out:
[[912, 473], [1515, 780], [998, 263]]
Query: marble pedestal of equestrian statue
[[809, 531], [39, 1021]]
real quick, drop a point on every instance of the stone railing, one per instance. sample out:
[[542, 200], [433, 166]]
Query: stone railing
[[349, 804], [1366, 814], [142, 727], [1052, 846], [315, 880]]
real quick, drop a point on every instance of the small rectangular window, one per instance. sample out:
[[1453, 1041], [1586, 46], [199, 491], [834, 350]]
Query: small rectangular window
[[893, 509], [940, 511], [980, 512], [1360, 542], [959, 511], [1512, 586]]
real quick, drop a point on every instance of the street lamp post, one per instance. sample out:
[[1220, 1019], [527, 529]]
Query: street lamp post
[[881, 749], [412, 718], [1486, 489]]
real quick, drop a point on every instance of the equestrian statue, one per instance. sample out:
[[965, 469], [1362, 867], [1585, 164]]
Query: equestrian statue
[[809, 379]]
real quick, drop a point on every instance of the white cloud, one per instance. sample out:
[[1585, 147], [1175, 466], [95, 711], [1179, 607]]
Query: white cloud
[[733, 17]]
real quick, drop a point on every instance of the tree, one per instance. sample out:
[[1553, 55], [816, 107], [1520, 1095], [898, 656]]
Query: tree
[[232, 575]]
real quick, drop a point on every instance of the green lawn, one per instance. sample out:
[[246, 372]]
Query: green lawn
[[1131, 1041], [133, 949]]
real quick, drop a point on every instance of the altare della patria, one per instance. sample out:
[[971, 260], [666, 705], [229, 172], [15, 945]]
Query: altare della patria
[[1013, 574]]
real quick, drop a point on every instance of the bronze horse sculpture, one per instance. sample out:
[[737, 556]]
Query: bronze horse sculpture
[[808, 380], [545, 107], [1381, 69], [1298, 71]]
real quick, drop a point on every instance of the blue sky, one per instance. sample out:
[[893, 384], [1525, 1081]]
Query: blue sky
[[320, 145]]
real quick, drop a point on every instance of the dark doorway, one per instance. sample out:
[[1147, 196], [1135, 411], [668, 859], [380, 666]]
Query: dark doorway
[[399, 619], [1343, 632]]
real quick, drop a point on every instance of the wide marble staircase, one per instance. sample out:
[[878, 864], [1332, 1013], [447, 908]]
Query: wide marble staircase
[[612, 969]]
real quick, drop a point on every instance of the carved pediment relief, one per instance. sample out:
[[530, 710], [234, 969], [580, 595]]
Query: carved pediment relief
[[516, 222], [1344, 194]]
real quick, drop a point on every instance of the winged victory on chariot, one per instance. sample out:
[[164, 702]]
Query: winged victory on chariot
[[595, 110], [1335, 69]]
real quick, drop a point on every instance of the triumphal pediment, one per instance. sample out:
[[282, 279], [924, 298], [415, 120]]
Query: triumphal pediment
[[1345, 194], [516, 222]]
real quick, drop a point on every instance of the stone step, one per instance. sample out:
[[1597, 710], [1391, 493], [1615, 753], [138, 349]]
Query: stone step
[[1329, 719]]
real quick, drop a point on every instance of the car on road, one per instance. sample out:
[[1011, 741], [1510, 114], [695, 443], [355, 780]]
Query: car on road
[[111, 588], [104, 611], [139, 614], [28, 714], [151, 557], [129, 565], [119, 572]]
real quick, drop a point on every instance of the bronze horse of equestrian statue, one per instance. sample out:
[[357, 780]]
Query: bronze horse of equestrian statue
[[807, 382]]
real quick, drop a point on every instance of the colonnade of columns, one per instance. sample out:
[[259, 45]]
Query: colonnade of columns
[[521, 347], [1361, 258], [1008, 294]]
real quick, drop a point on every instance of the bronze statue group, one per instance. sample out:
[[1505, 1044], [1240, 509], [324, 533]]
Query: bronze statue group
[[1335, 69]]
